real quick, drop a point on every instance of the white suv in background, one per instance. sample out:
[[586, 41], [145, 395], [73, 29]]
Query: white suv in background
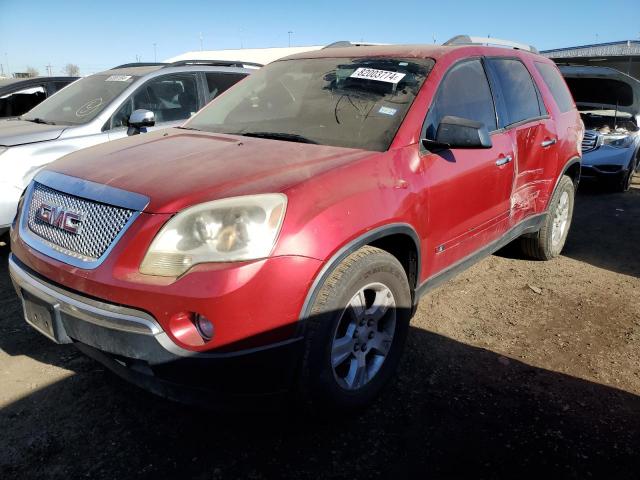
[[97, 108]]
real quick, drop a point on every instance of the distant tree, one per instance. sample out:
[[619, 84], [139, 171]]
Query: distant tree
[[32, 72], [71, 69]]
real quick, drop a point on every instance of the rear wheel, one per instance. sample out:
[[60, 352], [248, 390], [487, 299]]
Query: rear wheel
[[548, 242], [356, 331]]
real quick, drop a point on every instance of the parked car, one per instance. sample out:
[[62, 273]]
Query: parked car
[[609, 104], [97, 108], [280, 240], [19, 95]]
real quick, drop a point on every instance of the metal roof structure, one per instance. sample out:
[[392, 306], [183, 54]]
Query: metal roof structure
[[611, 49], [623, 56]]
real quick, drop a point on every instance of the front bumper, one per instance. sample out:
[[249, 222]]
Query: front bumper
[[133, 344]]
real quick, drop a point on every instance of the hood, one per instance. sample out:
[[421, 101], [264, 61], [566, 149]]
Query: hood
[[19, 132], [178, 168], [602, 88]]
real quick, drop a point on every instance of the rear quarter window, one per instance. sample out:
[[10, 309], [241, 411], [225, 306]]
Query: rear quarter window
[[557, 85], [518, 92]]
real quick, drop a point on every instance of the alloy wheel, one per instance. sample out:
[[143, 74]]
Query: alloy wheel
[[363, 336]]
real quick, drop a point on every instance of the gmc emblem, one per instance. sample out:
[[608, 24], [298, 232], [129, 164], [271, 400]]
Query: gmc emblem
[[59, 217]]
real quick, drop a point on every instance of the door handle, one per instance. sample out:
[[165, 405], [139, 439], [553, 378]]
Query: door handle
[[503, 160], [548, 143]]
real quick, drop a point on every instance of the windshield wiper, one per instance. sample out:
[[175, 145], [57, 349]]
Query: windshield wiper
[[38, 120], [189, 128], [288, 137]]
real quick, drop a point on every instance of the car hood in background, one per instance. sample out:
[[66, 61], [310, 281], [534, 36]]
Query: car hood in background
[[602, 88], [20, 132], [177, 168]]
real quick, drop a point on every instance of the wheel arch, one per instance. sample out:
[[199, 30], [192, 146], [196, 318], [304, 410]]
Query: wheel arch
[[399, 239], [572, 170]]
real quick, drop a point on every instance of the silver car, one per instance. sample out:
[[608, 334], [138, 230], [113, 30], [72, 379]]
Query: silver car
[[98, 108]]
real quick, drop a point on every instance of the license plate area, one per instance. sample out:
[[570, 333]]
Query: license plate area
[[42, 316]]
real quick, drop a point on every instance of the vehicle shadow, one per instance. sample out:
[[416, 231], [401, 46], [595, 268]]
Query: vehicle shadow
[[606, 230], [454, 411]]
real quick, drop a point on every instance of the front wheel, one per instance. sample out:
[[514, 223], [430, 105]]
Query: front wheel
[[356, 331], [548, 242], [625, 182]]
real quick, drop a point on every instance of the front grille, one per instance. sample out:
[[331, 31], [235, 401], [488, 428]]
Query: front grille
[[100, 226], [589, 141]]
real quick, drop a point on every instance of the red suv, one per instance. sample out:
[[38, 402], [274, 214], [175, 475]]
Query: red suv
[[280, 240]]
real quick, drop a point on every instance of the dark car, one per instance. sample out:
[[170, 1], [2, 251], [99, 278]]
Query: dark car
[[19, 95], [609, 104]]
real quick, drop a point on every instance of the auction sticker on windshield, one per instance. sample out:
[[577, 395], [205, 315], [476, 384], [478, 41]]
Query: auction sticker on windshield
[[118, 78], [379, 75]]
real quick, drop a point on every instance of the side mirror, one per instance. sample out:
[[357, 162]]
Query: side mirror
[[456, 132], [140, 120]]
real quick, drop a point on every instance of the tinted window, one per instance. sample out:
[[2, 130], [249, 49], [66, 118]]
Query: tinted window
[[169, 97], [556, 84], [517, 90], [346, 102], [219, 82], [464, 92], [21, 101]]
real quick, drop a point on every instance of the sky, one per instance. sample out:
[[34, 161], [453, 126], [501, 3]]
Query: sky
[[97, 35]]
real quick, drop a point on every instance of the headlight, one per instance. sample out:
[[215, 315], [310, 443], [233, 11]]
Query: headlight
[[228, 230], [618, 140]]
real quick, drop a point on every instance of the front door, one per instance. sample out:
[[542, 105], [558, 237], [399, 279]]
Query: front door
[[469, 190]]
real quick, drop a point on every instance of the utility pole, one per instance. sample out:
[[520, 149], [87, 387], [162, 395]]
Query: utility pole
[[289, 32], [155, 56], [49, 69], [201, 49], [6, 60]]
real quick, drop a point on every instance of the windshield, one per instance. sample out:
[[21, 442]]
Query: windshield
[[81, 101], [345, 102]]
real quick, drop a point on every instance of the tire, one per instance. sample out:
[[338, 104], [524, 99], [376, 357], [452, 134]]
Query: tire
[[543, 245], [625, 182], [332, 376]]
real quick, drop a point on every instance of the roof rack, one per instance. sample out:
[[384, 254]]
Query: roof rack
[[469, 40], [215, 63], [139, 64], [347, 43]]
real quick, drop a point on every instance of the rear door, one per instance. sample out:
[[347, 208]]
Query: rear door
[[523, 115], [470, 189]]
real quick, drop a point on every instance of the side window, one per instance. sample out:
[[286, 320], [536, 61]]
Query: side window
[[21, 101], [169, 97], [219, 82], [517, 90], [464, 92], [557, 85]]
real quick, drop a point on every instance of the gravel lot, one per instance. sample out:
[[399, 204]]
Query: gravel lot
[[515, 369]]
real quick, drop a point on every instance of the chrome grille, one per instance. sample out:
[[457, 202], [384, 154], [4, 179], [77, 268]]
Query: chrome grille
[[100, 226], [589, 141]]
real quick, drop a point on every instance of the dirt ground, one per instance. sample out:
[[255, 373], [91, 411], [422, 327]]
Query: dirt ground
[[514, 369]]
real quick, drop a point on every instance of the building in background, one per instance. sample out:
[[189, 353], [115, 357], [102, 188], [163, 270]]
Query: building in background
[[624, 56]]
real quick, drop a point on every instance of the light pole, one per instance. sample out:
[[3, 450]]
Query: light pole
[[155, 57], [289, 32]]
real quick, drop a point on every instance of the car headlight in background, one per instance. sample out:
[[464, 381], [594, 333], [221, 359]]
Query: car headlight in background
[[618, 140], [227, 230]]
